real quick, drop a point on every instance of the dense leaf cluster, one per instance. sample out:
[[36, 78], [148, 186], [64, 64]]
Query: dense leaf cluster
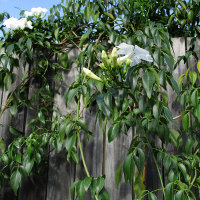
[[128, 99]]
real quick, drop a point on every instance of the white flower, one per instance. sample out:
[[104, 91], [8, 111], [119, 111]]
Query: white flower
[[27, 13], [37, 12], [135, 53], [13, 23], [91, 74], [29, 25], [10, 23]]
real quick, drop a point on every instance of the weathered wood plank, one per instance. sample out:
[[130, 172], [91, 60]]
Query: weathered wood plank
[[33, 187], [152, 181], [61, 173], [7, 121], [92, 149], [115, 155]]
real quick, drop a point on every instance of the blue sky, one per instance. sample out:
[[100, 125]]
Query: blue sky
[[13, 6]]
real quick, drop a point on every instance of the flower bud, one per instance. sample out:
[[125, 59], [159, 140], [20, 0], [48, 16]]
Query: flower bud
[[114, 56], [128, 61], [102, 66], [91, 74], [104, 58]]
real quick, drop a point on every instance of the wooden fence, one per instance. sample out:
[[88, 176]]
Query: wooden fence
[[59, 174]]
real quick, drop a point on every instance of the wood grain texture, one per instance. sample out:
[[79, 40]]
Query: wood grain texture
[[33, 187], [92, 149], [16, 122], [115, 155], [61, 173]]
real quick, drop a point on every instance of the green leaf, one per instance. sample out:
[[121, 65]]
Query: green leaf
[[87, 182], [72, 189], [179, 195], [87, 13], [41, 117], [29, 44], [63, 60], [197, 112], [113, 131], [102, 106], [70, 141], [83, 125], [56, 33], [186, 73], [128, 168], [183, 169], [85, 36], [156, 76], [104, 194], [171, 176], [190, 15], [185, 122], [152, 196], [80, 190], [193, 77], [175, 138], [118, 175], [70, 94], [194, 98], [169, 62], [7, 81], [28, 165], [99, 184], [148, 80], [162, 79], [167, 163], [10, 49], [2, 145], [133, 80], [157, 108], [174, 85], [75, 157], [198, 66], [189, 145], [168, 114], [99, 85], [180, 81], [15, 180], [14, 131], [13, 110], [125, 105], [169, 191]]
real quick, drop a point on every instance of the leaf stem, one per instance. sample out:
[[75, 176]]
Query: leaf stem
[[80, 146]]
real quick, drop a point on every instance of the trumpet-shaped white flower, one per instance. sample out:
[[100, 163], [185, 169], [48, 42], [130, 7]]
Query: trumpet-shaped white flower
[[90, 74], [13, 23], [37, 12], [135, 53]]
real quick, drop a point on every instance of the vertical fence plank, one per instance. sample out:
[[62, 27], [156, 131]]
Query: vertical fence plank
[[6, 121], [92, 149], [115, 155], [192, 61], [61, 173], [152, 179]]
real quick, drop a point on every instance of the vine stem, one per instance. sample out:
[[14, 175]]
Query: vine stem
[[133, 191], [80, 146], [158, 170]]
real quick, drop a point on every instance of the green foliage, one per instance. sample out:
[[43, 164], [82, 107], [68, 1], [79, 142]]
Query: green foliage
[[127, 97]]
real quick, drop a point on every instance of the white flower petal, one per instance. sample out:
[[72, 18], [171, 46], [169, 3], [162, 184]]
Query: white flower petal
[[134, 52], [27, 13], [143, 54], [135, 60], [125, 48]]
